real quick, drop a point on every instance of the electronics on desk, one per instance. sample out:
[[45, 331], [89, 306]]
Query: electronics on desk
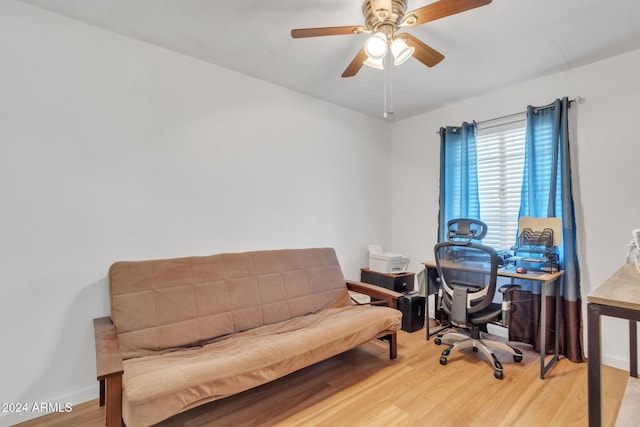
[[386, 262], [537, 245]]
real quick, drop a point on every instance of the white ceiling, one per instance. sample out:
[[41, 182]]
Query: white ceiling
[[503, 43]]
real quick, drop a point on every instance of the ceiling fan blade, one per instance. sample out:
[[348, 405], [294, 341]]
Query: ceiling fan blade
[[353, 68], [423, 53], [440, 9], [326, 31]]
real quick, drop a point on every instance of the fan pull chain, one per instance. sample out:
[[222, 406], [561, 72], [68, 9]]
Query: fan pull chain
[[388, 85]]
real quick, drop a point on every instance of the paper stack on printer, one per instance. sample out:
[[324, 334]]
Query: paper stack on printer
[[386, 262]]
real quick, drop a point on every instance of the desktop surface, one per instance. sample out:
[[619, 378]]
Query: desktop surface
[[620, 290], [542, 276]]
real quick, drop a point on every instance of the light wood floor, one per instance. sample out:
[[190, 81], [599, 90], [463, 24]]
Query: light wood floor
[[362, 387]]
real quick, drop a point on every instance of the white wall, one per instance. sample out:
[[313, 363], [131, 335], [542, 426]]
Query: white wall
[[605, 153], [112, 149]]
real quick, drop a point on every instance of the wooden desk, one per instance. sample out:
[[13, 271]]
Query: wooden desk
[[546, 280], [618, 296]]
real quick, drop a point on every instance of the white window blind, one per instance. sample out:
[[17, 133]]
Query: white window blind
[[500, 149]]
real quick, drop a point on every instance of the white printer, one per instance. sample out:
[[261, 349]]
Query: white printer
[[386, 262]]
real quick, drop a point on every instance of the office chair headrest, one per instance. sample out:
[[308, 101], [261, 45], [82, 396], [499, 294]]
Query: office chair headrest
[[464, 230]]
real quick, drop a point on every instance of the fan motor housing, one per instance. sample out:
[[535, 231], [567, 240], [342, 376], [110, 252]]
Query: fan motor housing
[[383, 20]]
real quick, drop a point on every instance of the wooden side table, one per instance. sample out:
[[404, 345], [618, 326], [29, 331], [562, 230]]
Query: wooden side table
[[401, 282]]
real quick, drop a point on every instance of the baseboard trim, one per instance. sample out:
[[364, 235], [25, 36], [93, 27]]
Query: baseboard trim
[[616, 362]]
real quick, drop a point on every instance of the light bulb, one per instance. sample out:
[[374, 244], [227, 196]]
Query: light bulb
[[376, 46]]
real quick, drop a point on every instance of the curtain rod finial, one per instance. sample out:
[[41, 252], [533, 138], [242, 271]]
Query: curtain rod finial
[[580, 100]]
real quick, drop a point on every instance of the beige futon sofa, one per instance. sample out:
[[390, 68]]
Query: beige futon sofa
[[187, 331]]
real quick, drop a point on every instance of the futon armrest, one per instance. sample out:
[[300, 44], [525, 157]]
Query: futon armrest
[[108, 356], [374, 291]]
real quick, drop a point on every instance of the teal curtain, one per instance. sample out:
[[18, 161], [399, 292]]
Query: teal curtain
[[547, 192], [458, 175]]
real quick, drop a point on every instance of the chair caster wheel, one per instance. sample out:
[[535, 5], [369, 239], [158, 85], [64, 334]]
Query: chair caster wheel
[[443, 360], [438, 341], [517, 357], [498, 374]]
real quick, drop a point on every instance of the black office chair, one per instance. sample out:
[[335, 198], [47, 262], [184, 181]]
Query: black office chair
[[468, 274]]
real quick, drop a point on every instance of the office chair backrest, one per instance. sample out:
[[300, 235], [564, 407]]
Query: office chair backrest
[[468, 274], [466, 230]]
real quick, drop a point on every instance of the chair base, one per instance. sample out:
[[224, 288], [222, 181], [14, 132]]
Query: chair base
[[485, 346]]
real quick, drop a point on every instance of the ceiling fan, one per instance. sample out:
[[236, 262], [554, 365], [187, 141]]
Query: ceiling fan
[[383, 19]]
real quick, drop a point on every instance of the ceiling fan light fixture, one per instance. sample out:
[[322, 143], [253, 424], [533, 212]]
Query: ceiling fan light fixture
[[377, 63], [376, 46], [384, 18], [401, 51]]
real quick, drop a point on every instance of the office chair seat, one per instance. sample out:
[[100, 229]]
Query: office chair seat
[[489, 314]]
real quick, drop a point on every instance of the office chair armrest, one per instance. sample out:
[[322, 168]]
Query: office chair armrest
[[507, 289], [507, 308]]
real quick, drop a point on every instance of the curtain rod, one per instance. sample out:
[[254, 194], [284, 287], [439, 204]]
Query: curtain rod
[[577, 99]]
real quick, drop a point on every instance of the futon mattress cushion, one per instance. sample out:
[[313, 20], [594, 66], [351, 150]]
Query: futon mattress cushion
[[159, 386]]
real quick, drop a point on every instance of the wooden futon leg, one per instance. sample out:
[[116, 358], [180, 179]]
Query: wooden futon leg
[[109, 370], [113, 411], [393, 344]]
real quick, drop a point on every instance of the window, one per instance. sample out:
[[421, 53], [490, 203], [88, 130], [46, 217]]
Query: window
[[500, 150]]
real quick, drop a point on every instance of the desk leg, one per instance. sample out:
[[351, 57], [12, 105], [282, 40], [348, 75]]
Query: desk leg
[[427, 319], [432, 275], [593, 369], [633, 348], [556, 286], [543, 327]]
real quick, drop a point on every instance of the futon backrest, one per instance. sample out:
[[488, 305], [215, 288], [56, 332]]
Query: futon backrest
[[161, 305]]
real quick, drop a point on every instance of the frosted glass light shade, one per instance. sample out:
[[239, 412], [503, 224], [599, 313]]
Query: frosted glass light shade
[[401, 51], [377, 63]]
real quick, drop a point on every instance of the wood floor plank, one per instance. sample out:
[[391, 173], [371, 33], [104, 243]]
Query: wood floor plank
[[363, 387]]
